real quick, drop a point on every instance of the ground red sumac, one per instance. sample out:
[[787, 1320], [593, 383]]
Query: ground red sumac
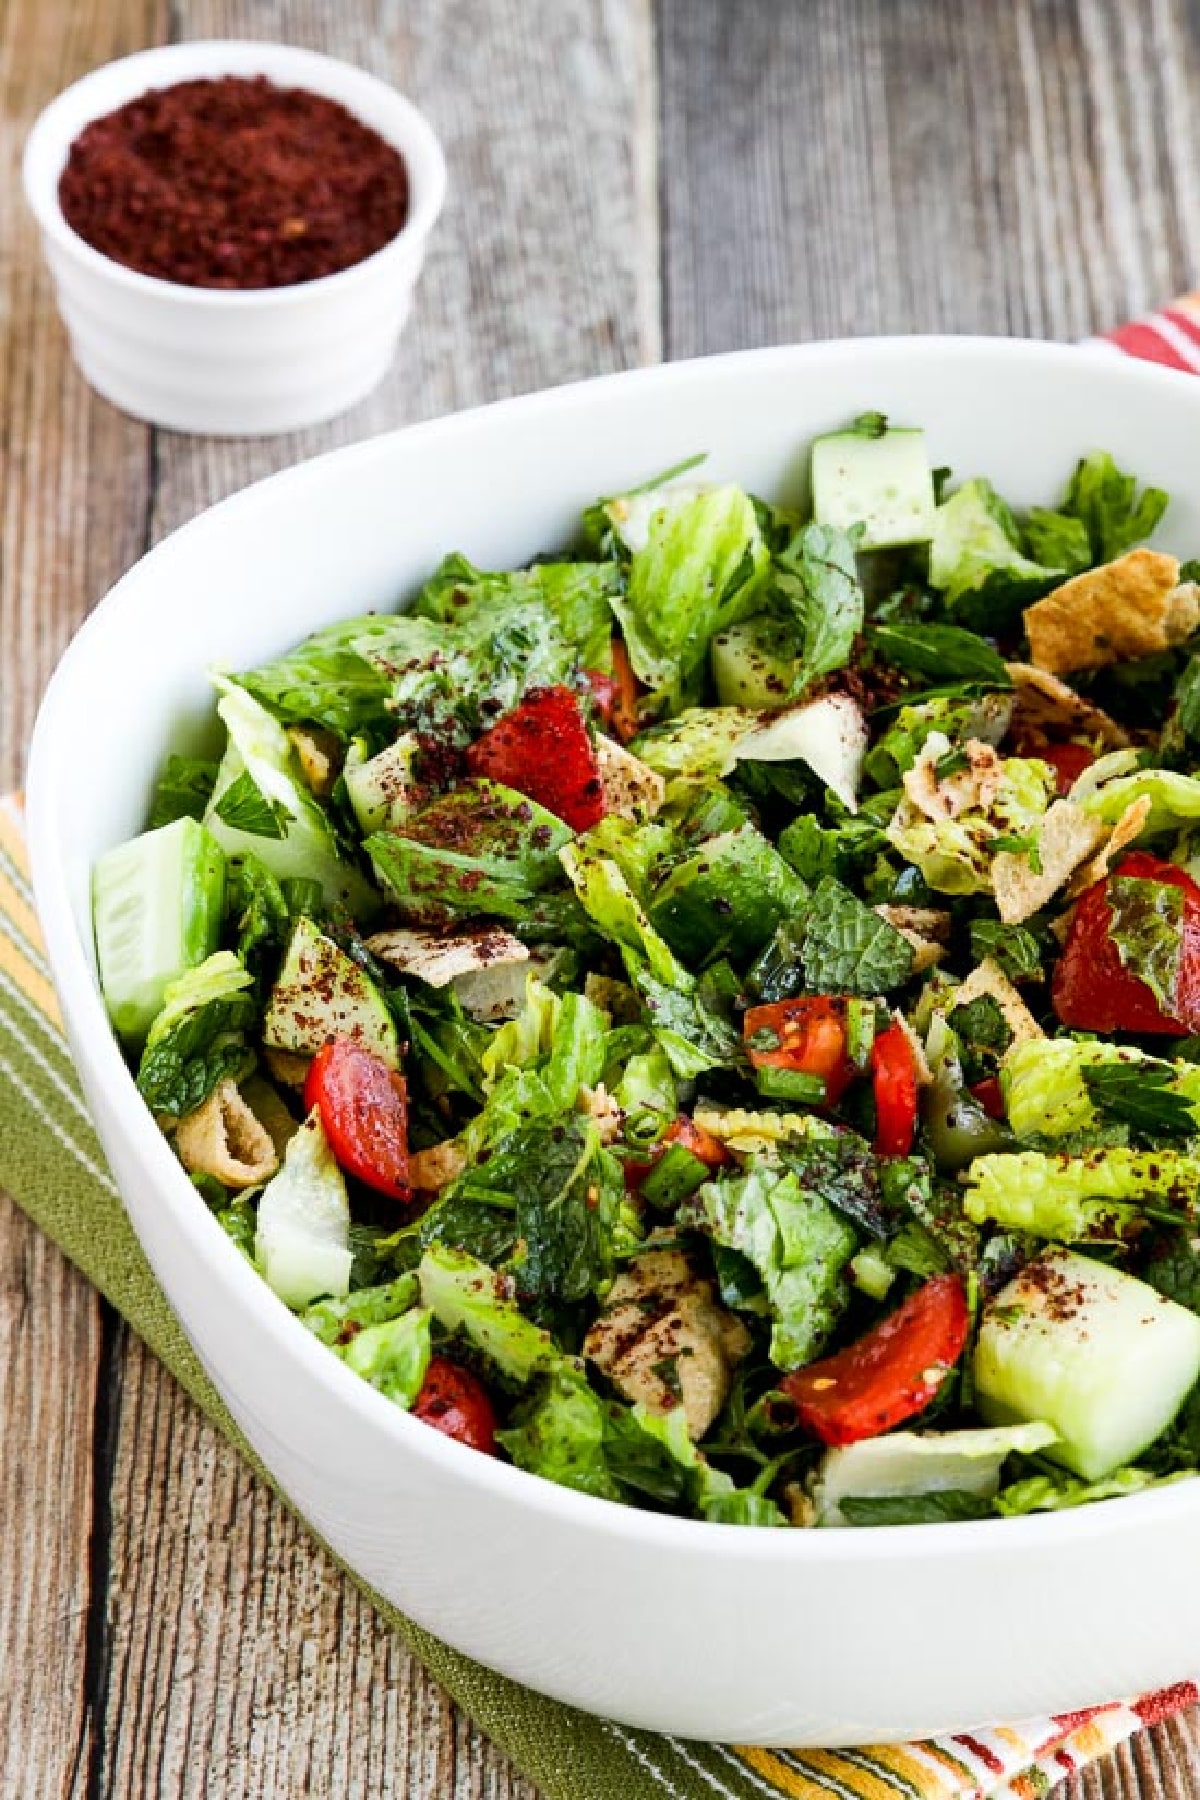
[[233, 183]]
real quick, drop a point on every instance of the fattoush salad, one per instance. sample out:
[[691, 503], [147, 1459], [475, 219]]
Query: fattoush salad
[[712, 1017]]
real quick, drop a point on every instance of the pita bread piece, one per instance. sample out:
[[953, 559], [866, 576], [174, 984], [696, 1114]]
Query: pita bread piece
[[1046, 709], [1126, 609], [1066, 837]]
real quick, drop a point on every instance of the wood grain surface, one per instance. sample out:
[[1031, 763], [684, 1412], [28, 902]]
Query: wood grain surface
[[628, 180]]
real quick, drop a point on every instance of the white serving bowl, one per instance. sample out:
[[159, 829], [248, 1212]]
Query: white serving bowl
[[775, 1637], [233, 362]]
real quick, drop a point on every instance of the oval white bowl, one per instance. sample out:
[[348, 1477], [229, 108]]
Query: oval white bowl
[[233, 362], [774, 1637]]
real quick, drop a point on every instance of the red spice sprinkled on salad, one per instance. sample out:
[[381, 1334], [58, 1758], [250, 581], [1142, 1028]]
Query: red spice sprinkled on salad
[[233, 183]]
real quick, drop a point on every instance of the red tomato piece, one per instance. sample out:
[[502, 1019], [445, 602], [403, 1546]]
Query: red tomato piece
[[1068, 762], [455, 1401], [1092, 989], [990, 1096], [364, 1109], [683, 1130], [702, 1144], [542, 749], [812, 1040], [889, 1374], [894, 1072]]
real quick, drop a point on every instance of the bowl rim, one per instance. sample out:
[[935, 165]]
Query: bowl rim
[[216, 1254], [416, 141]]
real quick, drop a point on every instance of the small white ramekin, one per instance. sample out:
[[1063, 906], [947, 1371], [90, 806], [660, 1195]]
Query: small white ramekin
[[233, 362]]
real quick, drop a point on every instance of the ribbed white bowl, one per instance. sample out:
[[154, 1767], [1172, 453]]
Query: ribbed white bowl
[[233, 362]]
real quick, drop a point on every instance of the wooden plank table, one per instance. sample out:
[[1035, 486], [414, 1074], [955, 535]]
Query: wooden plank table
[[630, 180]]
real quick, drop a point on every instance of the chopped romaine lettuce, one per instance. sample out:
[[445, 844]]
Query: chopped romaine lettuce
[[200, 1038], [302, 1239], [799, 1245], [702, 564]]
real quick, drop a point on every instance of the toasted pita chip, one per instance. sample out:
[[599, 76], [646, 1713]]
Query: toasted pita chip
[[1067, 836], [989, 978], [1123, 610], [925, 928], [975, 786], [1045, 708], [224, 1138], [924, 1072], [631, 788], [1128, 827]]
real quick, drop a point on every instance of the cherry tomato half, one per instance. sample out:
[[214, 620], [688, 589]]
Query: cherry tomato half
[[455, 1401], [364, 1109]]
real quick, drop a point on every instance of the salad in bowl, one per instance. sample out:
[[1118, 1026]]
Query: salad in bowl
[[712, 1017]]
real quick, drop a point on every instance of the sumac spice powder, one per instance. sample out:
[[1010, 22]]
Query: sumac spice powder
[[233, 183]]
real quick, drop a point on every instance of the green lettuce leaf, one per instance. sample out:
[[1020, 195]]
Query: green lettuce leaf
[[324, 681], [1107, 503], [1051, 1493], [976, 560], [199, 1039], [1103, 1197], [1174, 799], [393, 1355], [702, 565], [797, 1242], [818, 583], [467, 1297], [560, 1433], [307, 849], [1058, 541], [1146, 925], [574, 596], [335, 1322]]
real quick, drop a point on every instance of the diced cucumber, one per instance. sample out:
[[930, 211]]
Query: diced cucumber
[[383, 789], [302, 1237], [733, 891], [753, 662], [1095, 1352], [157, 903], [884, 483], [921, 1462], [322, 993]]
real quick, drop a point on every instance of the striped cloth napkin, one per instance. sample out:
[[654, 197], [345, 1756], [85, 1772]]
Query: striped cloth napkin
[[53, 1166]]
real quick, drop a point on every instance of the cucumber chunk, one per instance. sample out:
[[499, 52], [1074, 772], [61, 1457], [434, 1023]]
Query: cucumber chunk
[[157, 903], [1096, 1353], [383, 789], [753, 662], [321, 994], [884, 483]]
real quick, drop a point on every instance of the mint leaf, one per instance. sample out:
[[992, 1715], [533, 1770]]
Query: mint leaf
[[183, 790], [941, 652], [819, 582], [1142, 1096], [179, 1072], [1147, 928], [944, 1507], [1012, 947], [244, 807], [849, 949]]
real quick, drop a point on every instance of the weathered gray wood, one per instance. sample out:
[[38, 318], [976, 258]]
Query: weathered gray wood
[[847, 166]]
